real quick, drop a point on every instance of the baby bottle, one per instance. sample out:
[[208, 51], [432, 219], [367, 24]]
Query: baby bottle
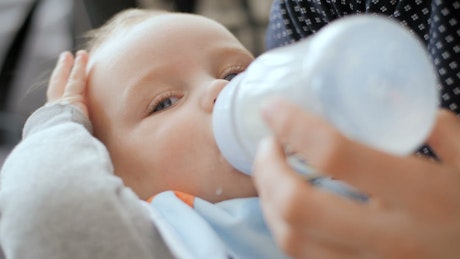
[[368, 76]]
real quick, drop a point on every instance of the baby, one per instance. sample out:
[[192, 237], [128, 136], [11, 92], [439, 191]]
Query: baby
[[152, 82], [145, 88]]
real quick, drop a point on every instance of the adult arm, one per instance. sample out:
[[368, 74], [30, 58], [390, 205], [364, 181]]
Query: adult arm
[[59, 197]]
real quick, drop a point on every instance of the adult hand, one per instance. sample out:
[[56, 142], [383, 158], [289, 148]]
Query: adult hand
[[414, 211], [68, 81]]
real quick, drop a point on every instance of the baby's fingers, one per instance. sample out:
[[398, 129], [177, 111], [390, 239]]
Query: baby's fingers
[[59, 77], [76, 84], [68, 81]]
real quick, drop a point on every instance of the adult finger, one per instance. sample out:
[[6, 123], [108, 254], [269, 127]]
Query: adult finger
[[294, 208], [270, 166], [445, 138], [397, 180], [59, 76]]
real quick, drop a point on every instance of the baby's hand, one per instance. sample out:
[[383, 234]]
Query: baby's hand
[[68, 81]]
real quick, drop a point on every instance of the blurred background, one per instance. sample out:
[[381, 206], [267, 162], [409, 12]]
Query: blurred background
[[34, 32]]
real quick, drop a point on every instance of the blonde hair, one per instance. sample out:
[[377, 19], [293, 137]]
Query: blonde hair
[[122, 20]]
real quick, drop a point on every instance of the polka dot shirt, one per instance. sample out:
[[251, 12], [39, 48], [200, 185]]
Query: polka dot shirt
[[437, 23]]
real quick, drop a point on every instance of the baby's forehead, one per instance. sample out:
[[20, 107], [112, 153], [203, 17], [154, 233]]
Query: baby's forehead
[[161, 34], [174, 28], [177, 24]]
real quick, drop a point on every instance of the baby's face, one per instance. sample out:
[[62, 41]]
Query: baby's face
[[151, 94]]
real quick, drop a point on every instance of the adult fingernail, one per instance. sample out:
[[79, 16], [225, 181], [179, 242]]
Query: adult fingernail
[[262, 149], [264, 144]]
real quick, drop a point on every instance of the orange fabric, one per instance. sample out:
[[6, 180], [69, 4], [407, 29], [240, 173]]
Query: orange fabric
[[149, 200], [185, 197]]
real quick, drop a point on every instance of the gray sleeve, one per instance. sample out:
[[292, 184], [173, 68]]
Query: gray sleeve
[[59, 197]]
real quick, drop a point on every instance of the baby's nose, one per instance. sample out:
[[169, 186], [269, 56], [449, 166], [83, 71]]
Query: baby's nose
[[212, 91]]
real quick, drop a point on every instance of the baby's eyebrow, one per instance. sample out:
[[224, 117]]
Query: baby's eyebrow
[[135, 86], [226, 54], [231, 50]]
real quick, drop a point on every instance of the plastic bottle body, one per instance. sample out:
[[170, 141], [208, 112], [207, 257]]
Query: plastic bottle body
[[366, 75]]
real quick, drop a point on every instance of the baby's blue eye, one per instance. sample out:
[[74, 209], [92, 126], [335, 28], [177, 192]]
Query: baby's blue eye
[[229, 77], [165, 103]]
